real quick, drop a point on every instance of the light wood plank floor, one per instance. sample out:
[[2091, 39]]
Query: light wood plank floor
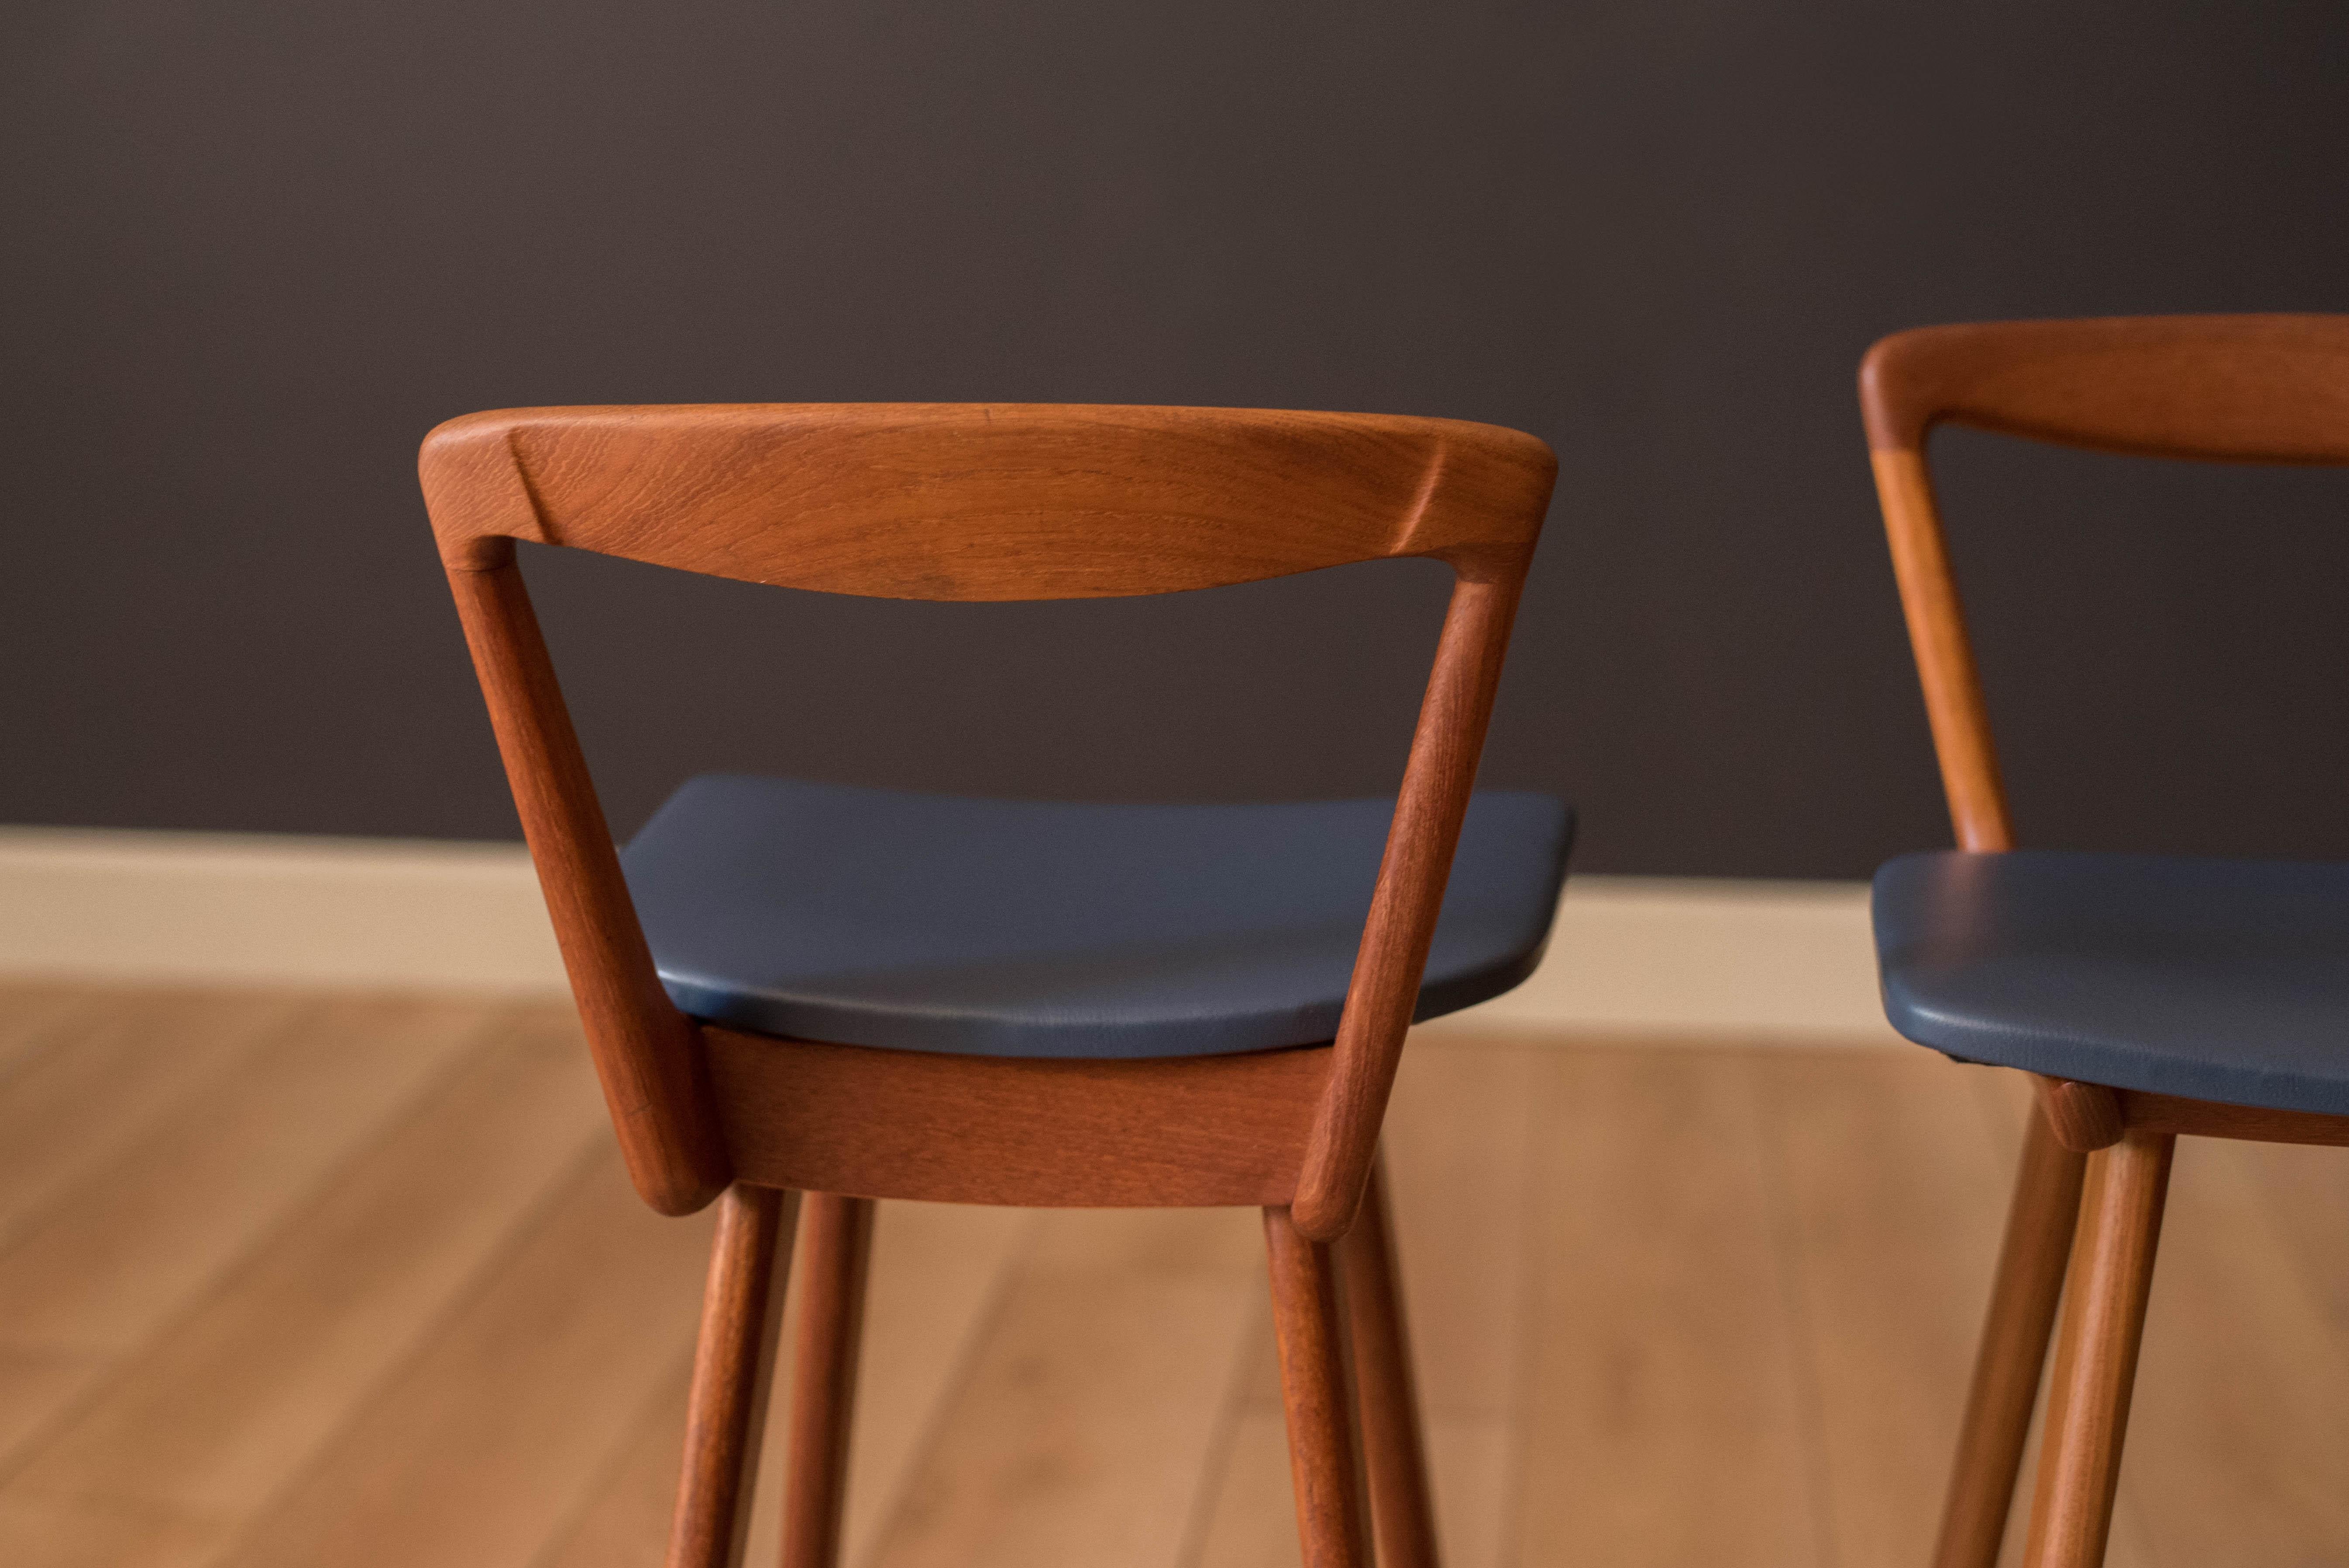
[[292, 1278]]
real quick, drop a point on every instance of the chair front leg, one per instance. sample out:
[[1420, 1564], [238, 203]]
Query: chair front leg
[[733, 1367], [2096, 1358], [837, 1249], [2013, 1351], [1403, 1510], [1324, 1460]]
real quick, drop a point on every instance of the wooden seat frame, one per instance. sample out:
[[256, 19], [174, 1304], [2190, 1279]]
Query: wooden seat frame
[[2248, 388], [946, 501]]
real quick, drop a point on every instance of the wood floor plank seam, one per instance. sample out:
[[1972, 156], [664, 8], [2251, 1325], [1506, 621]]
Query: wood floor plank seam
[[1733, 1334], [14, 1230], [1081, 1431], [438, 1102], [961, 1368], [561, 1535], [580, 1169], [959, 1377], [663, 1412], [26, 1451], [1532, 1224], [1802, 1315], [2306, 1265], [468, 1457], [1662, 1363], [412, 1105], [1222, 1442]]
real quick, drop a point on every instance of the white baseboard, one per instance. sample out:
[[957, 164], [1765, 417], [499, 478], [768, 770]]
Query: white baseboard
[[1704, 957], [260, 907], [1649, 954]]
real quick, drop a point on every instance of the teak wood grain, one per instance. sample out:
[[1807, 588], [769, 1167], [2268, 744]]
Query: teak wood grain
[[2028, 1283], [1394, 1449], [2095, 1358], [2210, 1118], [2229, 389], [2243, 388], [1404, 905], [1325, 1457], [948, 501], [750, 1268], [837, 1238], [647, 1052], [1182, 1132]]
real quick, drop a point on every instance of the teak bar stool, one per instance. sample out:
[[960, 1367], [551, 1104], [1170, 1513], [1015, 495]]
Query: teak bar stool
[[2146, 996], [859, 994]]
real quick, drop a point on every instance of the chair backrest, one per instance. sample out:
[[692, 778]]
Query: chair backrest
[[965, 502], [948, 501], [2228, 388]]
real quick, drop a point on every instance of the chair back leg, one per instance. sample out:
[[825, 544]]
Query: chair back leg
[[2096, 1354], [1402, 1508], [1317, 1396], [837, 1248], [733, 1366], [2013, 1352]]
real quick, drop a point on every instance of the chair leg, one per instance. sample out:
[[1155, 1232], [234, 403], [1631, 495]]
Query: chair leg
[[1402, 1511], [733, 1363], [2013, 1350], [1324, 1460], [2095, 1358], [836, 1250]]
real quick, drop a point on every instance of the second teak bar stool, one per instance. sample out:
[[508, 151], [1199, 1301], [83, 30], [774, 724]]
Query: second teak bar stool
[[803, 996], [2146, 996]]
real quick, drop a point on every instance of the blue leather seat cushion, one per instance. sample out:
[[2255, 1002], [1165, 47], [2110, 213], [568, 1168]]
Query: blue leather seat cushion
[[876, 917], [2218, 979]]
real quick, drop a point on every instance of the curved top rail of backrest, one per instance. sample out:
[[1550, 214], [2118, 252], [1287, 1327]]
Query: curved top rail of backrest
[[2241, 388], [952, 500]]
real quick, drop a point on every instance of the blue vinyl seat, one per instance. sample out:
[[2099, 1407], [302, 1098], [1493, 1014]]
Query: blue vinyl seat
[[2214, 979], [1015, 928]]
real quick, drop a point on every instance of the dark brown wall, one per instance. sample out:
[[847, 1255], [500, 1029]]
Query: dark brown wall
[[252, 251]]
